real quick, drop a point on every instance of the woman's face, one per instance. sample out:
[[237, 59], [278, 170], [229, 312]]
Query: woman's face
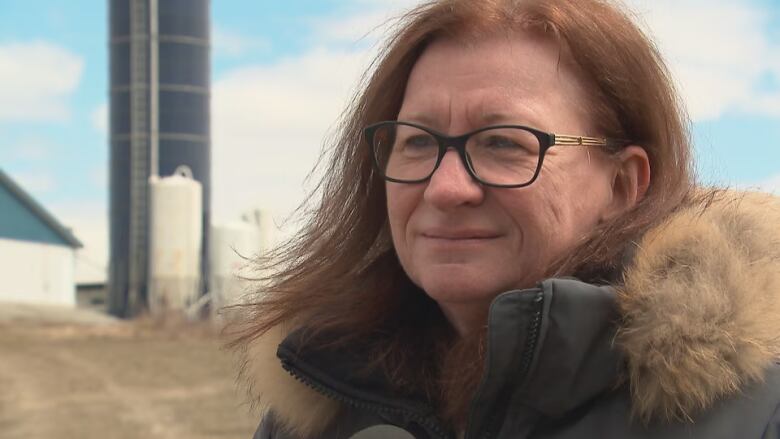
[[464, 243]]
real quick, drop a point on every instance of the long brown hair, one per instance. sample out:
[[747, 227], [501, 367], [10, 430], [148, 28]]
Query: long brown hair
[[340, 274]]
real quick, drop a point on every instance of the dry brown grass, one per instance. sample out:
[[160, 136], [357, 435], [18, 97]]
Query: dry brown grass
[[144, 379]]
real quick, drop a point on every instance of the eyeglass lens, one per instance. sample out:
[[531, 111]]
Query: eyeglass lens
[[501, 156]]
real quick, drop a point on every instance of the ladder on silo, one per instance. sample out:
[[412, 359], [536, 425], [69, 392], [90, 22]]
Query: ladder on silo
[[139, 155]]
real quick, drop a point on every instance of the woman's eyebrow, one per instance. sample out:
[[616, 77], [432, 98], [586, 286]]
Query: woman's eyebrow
[[422, 118], [503, 110], [497, 118], [513, 118]]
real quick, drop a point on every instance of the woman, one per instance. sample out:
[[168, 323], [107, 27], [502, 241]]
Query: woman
[[510, 245]]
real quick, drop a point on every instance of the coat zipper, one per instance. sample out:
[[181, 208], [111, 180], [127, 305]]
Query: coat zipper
[[425, 421], [534, 327]]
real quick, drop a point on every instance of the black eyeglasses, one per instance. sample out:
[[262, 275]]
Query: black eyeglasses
[[507, 156]]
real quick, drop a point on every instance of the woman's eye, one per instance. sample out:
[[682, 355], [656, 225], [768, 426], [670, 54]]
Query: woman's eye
[[420, 142], [502, 142]]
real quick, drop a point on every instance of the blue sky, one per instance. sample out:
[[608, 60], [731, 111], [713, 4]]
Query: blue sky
[[282, 71]]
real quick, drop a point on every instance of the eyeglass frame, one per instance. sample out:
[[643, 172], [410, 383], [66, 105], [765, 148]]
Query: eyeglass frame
[[546, 141]]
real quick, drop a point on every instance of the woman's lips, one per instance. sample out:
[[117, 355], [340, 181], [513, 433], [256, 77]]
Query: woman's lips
[[460, 235]]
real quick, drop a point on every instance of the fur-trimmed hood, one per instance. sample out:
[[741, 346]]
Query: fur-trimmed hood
[[699, 316], [701, 304]]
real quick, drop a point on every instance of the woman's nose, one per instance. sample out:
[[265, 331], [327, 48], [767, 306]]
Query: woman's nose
[[451, 185]]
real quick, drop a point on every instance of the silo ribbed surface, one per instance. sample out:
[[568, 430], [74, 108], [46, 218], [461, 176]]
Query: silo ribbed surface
[[160, 119]]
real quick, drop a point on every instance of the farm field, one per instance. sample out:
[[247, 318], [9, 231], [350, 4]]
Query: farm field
[[84, 378]]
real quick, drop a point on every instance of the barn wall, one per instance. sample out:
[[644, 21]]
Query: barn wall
[[32, 272]]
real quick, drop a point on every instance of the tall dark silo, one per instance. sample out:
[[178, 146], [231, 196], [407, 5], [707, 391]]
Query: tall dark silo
[[160, 98]]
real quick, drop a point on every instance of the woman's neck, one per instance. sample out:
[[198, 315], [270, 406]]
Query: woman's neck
[[466, 318]]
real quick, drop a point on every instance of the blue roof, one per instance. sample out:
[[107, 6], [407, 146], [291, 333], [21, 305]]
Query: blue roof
[[22, 218]]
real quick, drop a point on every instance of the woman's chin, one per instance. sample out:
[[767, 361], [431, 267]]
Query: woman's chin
[[459, 289]]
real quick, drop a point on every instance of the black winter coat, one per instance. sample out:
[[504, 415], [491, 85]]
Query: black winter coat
[[687, 347]]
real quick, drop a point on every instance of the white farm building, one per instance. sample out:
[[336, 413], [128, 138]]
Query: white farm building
[[37, 254]]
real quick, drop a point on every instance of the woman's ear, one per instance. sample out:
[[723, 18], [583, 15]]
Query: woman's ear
[[630, 181]]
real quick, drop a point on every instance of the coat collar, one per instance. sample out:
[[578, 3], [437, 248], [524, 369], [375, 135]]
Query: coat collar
[[700, 304], [696, 320]]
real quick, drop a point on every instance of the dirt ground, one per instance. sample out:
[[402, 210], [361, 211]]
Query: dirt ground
[[117, 380]]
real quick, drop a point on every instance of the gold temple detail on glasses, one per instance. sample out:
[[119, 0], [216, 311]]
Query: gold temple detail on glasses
[[564, 140]]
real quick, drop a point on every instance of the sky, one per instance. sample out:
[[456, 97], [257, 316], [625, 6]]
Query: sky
[[282, 72]]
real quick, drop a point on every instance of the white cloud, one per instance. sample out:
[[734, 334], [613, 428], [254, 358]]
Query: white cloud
[[30, 148], [353, 29], [268, 127], [99, 118], [34, 182], [229, 43], [718, 50], [36, 79], [384, 3], [774, 59], [367, 25], [771, 185], [768, 105], [99, 177]]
